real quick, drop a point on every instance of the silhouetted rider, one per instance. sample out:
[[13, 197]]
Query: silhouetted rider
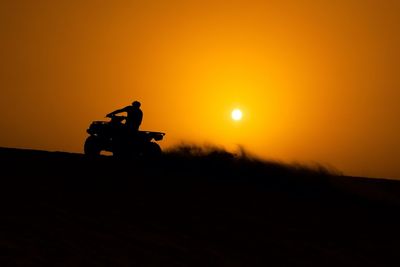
[[134, 118]]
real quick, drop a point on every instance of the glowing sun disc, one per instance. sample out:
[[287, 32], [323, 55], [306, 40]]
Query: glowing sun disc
[[236, 114]]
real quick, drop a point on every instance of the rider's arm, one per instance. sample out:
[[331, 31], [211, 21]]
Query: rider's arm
[[117, 111]]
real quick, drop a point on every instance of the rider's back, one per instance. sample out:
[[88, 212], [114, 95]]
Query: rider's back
[[134, 118]]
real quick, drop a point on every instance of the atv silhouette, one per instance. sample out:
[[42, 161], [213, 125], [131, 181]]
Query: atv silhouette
[[113, 136]]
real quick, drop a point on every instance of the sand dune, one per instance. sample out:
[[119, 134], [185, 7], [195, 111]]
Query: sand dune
[[192, 207]]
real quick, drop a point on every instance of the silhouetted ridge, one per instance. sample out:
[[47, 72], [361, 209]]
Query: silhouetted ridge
[[194, 206]]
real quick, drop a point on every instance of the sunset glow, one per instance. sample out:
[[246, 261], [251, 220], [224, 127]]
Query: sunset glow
[[316, 81]]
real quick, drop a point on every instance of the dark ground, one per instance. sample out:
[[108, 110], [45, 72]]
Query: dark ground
[[191, 208]]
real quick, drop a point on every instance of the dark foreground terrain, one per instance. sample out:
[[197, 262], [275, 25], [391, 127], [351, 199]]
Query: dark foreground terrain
[[191, 208]]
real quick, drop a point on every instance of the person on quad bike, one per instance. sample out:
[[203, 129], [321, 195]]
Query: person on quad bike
[[134, 116]]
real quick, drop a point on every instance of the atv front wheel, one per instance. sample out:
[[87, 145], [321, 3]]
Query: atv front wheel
[[92, 146]]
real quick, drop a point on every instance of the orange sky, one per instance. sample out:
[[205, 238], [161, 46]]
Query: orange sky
[[317, 81]]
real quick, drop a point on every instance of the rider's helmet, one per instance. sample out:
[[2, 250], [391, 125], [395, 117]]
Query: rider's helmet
[[136, 104]]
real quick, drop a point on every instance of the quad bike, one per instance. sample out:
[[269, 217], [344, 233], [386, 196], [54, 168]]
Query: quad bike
[[113, 136]]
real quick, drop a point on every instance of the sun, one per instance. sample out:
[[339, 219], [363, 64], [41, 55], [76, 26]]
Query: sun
[[236, 114]]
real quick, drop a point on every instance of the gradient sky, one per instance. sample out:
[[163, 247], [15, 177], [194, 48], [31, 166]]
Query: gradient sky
[[318, 81]]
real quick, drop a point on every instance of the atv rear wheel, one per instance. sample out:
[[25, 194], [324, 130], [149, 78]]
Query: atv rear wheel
[[152, 150], [92, 146]]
